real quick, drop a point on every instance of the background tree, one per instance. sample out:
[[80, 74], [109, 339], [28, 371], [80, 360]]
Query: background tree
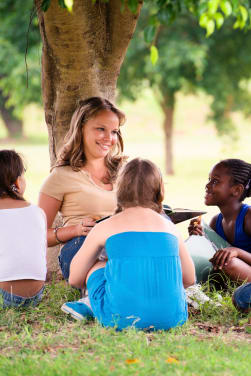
[[14, 94], [180, 65], [83, 50], [188, 61], [82, 54]]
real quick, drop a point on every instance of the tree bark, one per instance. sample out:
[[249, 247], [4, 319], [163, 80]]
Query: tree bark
[[13, 125], [82, 55], [168, 109]]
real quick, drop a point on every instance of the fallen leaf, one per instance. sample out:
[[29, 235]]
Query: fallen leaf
[[132, 361], [171, 360]]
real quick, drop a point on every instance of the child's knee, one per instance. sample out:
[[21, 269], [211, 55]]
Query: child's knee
[[232, 266]]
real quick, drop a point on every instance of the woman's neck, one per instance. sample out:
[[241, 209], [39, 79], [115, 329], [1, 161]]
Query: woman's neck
[[95, 165]]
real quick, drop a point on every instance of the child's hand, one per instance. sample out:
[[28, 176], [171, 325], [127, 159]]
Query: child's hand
[[195, 227], [222, 257]]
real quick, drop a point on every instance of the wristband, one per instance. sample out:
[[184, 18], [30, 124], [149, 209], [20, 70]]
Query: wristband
[[56, 235]]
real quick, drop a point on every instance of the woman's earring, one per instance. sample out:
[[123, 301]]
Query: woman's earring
[[13, 187]]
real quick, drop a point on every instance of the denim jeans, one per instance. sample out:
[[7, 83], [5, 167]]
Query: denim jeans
[[242, 296], [68, 252], [10, 300]]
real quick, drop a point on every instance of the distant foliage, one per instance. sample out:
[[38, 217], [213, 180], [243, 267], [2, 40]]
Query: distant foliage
[[190, 62], [15, 40]]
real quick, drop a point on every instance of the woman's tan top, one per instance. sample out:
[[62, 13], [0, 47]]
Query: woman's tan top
[[79, 194]]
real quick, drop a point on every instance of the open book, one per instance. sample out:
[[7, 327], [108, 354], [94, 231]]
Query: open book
[[178, 215]]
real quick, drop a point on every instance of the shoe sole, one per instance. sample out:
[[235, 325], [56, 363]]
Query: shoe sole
[[71, 312]]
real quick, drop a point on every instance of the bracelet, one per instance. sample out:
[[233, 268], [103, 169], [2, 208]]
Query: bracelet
[[56, 235]]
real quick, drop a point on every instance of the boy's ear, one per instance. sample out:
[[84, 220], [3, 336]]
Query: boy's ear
[[238, 190]]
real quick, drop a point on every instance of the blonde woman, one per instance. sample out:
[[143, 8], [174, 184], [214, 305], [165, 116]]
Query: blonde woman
[[81, 186]]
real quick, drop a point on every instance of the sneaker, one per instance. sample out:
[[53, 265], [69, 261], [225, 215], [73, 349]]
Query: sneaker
[[78, 310], [85, 299]]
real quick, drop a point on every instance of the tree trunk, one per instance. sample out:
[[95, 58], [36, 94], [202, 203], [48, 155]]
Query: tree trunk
[[168, 110], [13, 125], [82, 55]]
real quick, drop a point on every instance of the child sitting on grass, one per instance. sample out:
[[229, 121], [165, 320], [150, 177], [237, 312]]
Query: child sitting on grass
[[229, 184], [23, 238], [142, 283]]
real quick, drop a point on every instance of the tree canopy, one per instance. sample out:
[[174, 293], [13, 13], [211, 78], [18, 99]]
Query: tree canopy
[[188, 61]]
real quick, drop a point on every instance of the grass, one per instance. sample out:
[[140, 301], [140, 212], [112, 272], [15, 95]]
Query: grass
[[215, 341], [45, 341]]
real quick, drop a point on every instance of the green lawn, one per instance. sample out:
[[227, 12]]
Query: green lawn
[[215, 341], [44, 341]]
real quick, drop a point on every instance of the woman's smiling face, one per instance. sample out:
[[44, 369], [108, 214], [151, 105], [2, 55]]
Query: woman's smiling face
[[100, 134]]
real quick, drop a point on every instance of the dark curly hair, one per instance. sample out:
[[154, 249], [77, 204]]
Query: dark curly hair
[[240, 172], [11, 167]]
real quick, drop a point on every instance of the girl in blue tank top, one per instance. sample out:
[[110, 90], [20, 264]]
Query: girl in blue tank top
[[142, 283], [229, 184]]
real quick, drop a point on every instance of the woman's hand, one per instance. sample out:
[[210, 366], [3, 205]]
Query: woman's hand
[[85, 226], [195, 227], [222, 257]]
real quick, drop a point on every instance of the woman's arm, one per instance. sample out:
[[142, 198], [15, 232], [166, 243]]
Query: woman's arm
[[51, 206], [86, 257], [187, 265]]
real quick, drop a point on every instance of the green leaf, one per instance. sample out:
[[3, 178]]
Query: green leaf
[[226, 7], [69, 4], [235, 4], [237, 24], [213, 6], [210, 27], [202, 8], [204, 20], [219, 19], [61, 4], [133, 5], [149, 33], [45, 5], [244, 13], [154, 55], [166, 15]]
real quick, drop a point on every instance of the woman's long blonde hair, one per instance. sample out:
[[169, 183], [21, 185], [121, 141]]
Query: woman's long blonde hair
[[72, 153], [140, 184]]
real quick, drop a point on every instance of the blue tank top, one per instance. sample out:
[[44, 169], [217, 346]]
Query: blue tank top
[[144, 285], [241, 239]]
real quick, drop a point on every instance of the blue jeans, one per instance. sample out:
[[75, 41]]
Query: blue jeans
[[10, 300], [68, 252], [242, 297]]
